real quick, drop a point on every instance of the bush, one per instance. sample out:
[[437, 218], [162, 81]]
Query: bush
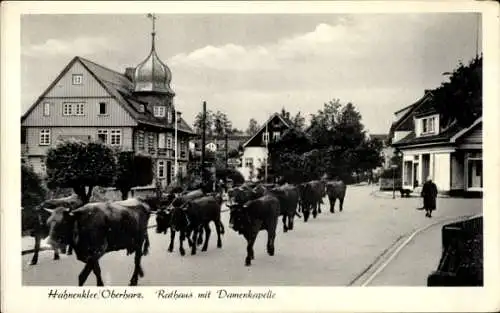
[[133, 170], [32, 191]]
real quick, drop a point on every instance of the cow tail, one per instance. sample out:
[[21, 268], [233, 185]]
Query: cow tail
[[297, 214], [145, 250]]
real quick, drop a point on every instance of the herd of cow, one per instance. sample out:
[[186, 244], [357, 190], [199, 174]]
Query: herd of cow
[[95, 228]]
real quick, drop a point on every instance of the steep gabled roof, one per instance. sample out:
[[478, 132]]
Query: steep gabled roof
[[411, 109], [287, 124], [120, 88]]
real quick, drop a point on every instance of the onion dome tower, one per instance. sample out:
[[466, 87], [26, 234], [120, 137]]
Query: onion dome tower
[[152, 75]]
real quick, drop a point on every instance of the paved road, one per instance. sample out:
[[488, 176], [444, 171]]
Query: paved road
[[328, 251]]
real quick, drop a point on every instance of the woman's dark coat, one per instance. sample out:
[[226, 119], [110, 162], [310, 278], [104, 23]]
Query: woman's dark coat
[[429, 193]]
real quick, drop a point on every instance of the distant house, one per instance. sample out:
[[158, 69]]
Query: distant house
[[132, 110], [255, 151], [450, 154]]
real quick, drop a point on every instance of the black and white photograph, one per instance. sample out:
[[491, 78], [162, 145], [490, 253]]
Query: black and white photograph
[[322, 149]]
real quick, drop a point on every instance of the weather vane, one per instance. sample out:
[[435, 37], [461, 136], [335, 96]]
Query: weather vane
[[153, 18]]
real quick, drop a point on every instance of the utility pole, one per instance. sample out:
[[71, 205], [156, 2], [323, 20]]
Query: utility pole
[[203, 126], [225, 145]]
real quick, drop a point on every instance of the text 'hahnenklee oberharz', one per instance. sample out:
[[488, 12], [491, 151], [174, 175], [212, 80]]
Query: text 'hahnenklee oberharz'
[[165, 294]]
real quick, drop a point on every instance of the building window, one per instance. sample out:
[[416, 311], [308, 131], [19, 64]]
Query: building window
[[116, 138], [79, 108], [169, 141], [248, 162], [43, 168], [169, 116], [159, 111], [428, 125], [44, 137], [73, 108], [77, 79], [140, 140], [161, 169], [161, 140], [276, 136], [265, 137], [102, 135], [141, 108], [46, 109], [102, 108], [67, 108], [172, 172], [151, 141]]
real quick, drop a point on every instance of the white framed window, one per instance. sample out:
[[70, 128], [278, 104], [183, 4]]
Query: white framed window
[[248, 162], [67, 108], [428, 125], [102, 108], [115, 137], [46, 109], [159, 111], [276, 136], [72, 108], [169, 141], [79, 107], [474, 171], [102, 135], [44, 137], [265, 137], [77, 79], [161, 140], [161, 169]]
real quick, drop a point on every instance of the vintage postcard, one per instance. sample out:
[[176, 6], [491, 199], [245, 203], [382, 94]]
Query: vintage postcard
[[250, 156]]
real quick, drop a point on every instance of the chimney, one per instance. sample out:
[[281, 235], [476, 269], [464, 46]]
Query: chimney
[[129, 73]]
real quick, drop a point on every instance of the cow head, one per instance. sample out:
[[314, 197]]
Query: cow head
[[163, 219], [61, 224], [179, 219], [239, 219]]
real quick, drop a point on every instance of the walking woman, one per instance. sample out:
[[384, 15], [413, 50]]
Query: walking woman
[[429, 193]]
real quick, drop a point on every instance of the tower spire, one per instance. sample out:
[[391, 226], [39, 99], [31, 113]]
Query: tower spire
[[153, 18]]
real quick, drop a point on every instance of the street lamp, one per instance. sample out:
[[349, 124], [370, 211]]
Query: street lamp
[[176, 149], [394, 166]]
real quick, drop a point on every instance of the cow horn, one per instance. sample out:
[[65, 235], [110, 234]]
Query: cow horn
[[48, 210]]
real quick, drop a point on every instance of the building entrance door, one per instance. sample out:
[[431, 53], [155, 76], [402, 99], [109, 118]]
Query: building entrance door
[[415, 175]]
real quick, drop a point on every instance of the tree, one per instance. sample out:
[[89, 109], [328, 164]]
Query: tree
[[209, 122], [32, 191], [297, 121], [133, 170], [253, 127], [80, 166], [221, 124], [460, 98]]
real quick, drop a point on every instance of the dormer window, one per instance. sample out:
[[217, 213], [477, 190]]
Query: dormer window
[[159, 111], [428, 125]]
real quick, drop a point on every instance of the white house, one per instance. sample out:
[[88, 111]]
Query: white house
[[255, 151], [450, 154]]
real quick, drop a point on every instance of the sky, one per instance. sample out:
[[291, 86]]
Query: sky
[[252, 65]]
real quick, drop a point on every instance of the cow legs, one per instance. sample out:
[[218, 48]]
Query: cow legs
[[172, 238], [137, 265], [200, 236], [315, 210], [341, 200], [56, 254], [306, 214], [271, 234], [319, 205], [250, 242], [34, 260], [195, 237], [182, 235], [97, 272], [207, 236], [146, 244], [332, 204], [70, 250], [85, 273], [285, 228], [219, 228], [290, 221]]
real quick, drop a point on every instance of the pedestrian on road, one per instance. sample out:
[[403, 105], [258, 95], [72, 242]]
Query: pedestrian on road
[[429, 193]]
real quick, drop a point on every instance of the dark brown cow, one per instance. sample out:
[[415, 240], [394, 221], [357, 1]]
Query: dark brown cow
[[311, 194], [97, 228], [336, 190], [197, 214], [288, 195], [254, 216], [34, 221]]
